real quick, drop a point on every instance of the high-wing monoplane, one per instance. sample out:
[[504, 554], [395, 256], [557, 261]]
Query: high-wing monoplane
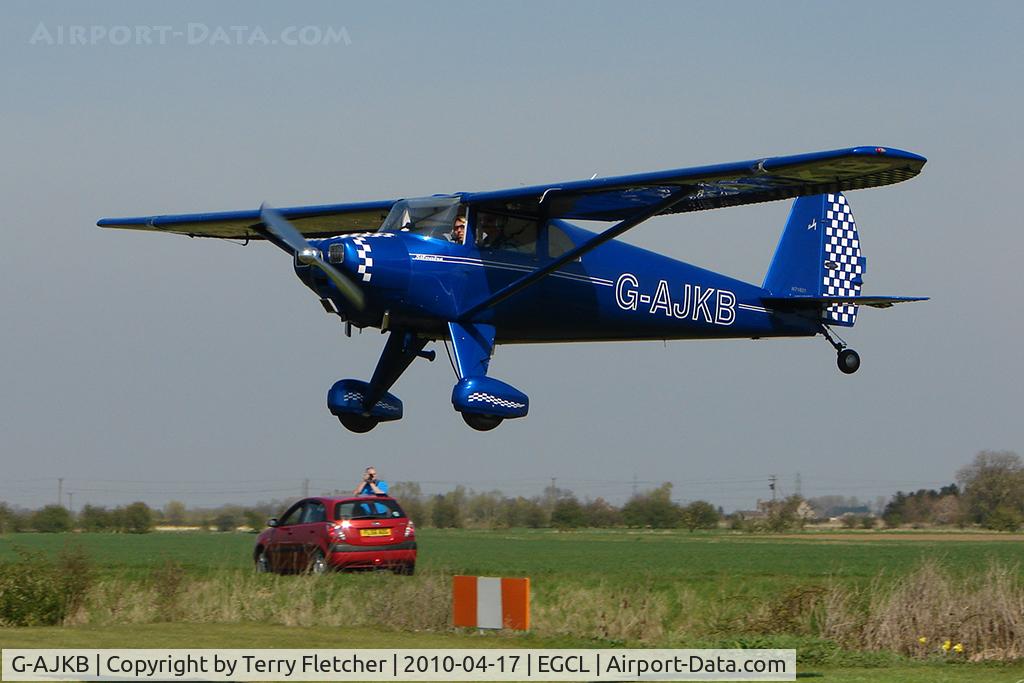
[[478, 269]]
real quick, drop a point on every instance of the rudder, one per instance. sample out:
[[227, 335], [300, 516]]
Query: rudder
[[819, 255]]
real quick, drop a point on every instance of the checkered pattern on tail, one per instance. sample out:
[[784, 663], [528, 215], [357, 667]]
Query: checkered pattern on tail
[[843, 265], [363, 251]]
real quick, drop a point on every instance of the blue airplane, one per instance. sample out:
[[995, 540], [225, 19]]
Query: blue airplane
[[478, 269]]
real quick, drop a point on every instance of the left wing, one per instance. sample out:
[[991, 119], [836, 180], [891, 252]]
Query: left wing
[[603, 199], [707, 187], [312, 221]]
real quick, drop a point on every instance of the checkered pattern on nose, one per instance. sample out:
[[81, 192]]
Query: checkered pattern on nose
[[363, 252], [843, 263]]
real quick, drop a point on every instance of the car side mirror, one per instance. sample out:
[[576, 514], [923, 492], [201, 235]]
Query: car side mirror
[[272, 522]]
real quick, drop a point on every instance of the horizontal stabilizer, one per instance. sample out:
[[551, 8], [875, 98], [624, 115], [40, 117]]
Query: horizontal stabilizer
[[820, 302]]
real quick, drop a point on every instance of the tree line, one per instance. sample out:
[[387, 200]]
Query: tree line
[[989, 493]]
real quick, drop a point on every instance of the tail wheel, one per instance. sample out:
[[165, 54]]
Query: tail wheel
[[848, 361], [359, 424], [482, 423]]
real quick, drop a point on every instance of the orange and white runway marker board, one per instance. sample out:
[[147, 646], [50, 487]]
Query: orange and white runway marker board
[[489, 602]]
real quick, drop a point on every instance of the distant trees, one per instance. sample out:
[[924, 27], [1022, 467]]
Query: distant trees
[[137, 518], [94, 518], [175, 513], [599, 514], [225, 521], [700, 514], [568, 514], [993, 490], [446, 513], [923, 507], [10, 520], [254, 519], [52, 519], [653, 508], [413, 502], [989, 492]]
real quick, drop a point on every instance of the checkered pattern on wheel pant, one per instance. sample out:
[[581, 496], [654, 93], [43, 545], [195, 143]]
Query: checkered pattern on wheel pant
[[843, 264]]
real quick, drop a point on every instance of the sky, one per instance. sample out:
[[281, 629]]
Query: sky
[[155, 367]]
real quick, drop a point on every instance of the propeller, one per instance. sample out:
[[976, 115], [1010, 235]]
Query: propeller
[[279, 226]]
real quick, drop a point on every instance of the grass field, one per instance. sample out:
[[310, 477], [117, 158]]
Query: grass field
[[700, 559], [590, 589]]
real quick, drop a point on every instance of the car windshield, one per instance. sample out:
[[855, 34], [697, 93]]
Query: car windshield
[[368, 509], [427, 216]]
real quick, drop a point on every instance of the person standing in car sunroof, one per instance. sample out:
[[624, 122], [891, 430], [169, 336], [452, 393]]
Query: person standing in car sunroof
[[371, 485]]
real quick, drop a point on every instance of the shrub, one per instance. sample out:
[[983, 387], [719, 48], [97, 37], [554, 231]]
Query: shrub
[[39, 591], [138, 518], [94, 518], [568, 514], [1003, 519], [225, 522], [700, 514]]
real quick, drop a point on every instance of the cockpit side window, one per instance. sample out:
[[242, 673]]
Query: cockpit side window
[[506, 233], [558, 242]]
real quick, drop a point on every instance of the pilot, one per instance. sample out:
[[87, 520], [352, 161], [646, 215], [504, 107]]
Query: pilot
[[371, 485], [458, 234]]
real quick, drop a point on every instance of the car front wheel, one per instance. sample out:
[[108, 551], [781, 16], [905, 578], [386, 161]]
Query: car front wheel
[[262, 562]]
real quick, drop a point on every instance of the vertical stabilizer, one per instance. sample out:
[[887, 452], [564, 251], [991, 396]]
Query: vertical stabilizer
[[819, 255]]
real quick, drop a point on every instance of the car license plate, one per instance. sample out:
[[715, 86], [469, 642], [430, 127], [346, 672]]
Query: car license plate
[[375, 532]]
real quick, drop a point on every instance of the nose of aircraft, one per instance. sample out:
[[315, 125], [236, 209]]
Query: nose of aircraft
[[377, 261]]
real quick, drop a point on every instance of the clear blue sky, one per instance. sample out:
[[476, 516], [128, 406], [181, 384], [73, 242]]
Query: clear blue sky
[[139, 365]]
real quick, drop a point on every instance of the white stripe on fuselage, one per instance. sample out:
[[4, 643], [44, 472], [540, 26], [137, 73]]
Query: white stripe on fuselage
[[502, 265]]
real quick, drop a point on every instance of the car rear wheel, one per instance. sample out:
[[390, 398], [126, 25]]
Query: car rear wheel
[[317, 562]]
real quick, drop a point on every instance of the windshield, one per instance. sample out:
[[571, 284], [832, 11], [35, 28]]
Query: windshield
[[427, 216]]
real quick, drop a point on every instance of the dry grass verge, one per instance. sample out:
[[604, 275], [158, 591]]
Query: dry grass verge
[[925, 613]]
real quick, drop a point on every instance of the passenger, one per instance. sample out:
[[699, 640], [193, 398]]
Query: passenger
[[487, 231], [371, 485]]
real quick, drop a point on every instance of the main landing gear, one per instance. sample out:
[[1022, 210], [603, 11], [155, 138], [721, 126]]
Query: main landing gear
[[482, 423], [847, 359], [360, 424]]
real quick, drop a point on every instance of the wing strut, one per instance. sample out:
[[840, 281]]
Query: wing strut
[[609, 234]]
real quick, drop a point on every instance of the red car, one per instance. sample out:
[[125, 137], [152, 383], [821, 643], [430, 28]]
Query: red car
[[354, 532]]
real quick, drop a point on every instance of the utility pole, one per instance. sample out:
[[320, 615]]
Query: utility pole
[[305, 488], [797, 486], [71, 504], [771, 484], [60, 490]]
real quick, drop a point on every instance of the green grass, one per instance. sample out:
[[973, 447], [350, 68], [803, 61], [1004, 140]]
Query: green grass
[[735, 570], [706, 563], [606, 554]]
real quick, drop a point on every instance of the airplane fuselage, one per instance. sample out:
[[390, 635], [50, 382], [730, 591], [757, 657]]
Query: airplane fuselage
[[616, 292]]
